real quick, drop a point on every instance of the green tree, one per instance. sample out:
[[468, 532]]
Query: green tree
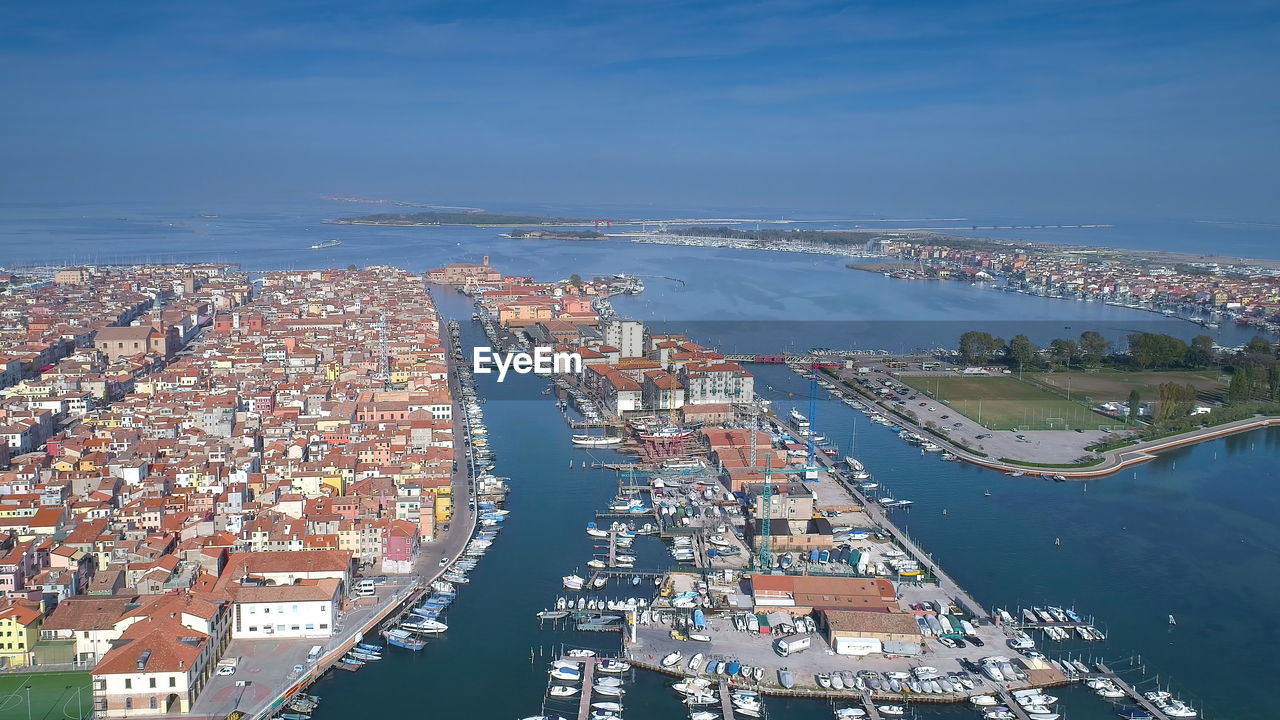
[[352, 267], [1175, 400], [976, 346], [1241, 386], [1093, 347], [1259, 344], [1273, 382], [1135, 402], [1022, 352], [1201, 354], [1148, 350], [1064, 351], [575, 280]]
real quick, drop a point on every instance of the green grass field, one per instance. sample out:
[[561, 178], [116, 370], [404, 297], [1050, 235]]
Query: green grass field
[[53, 695], [1002, 402], [1114, 385]]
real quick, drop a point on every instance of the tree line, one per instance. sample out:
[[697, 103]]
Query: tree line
[[1255, 368]]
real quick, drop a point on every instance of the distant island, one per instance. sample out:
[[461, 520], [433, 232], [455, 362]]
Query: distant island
[[773, 235], [478, 219], [525, 234]]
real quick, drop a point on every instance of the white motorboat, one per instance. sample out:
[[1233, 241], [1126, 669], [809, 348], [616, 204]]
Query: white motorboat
[[568, 674], [595, 440], [695, 662], [573, 582], [892, 710], [1177, 709], [581, 653], [424, 625], [609, 665], [610, 706], [562, 691], [608, 690], [984, 700], [671, 659]]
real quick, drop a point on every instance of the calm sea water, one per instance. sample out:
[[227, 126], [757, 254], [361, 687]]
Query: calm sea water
[[1192, 534]]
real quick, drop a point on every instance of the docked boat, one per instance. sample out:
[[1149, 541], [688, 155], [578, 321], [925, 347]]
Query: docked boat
[[573, 582], [666, 432], [562, 691], [595, 440], [609, 665], [608, 690], [405, 639], [423, 625]]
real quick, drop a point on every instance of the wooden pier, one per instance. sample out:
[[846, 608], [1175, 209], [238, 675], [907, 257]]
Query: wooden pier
[[1012, 704], [588, 673], [868, 704], [726, 701], [1155, 712]]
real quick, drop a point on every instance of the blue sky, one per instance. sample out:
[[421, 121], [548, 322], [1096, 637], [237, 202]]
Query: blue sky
[[1077, 109]]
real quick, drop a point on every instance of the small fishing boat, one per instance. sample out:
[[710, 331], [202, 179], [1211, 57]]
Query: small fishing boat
[[786, 679], [609, 665], [892, 710], [562, 691], [608, 690], [671, 659], [567, 674]]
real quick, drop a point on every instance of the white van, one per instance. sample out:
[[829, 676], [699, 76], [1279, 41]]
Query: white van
[[364, 588]]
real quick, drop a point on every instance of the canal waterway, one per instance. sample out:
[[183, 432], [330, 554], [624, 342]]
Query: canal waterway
[[1192, 534]]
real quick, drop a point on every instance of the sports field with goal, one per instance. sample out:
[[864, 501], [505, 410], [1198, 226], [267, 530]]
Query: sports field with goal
[[1002, 402], [53, 695]]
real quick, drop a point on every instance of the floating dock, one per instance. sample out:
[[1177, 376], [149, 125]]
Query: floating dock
[[1155, 712], [588, 675], [726, 701]]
